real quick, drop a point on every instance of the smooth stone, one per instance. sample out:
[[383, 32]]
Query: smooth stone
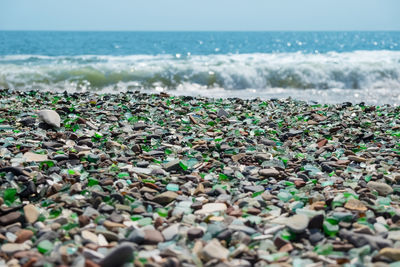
[[269, 172], [139, 126], [50, 117], [194, 233], [10, 218], [297, 223], [394, 235], [380, 228], [391, 253], [83, 220], [211, 208], [137, 236], [315, 236], [89, 236], [152, 237], [170, 232], [23, 235], [165, 198], [254, 188], [110, 236], [106, 208], [242, 228], [31, 213], [89, 212], [382, 188], [92, 255], [102, 240], [356, 205], [263, 156], [145, 171], [13, 247], [172, 165], [356, 158], [118, 256], [33, 157], [359, 240], [214, 250], [112, 225]]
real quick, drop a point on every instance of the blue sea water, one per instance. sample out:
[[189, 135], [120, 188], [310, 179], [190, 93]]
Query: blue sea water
[[320, 66]]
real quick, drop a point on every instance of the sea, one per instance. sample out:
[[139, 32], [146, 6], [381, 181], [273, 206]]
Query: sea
[[323, 67]]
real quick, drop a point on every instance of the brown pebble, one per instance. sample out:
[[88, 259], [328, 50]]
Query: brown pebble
[[299, 183], [23, 235], [286, 248], [236, 213], [152, 237], [10, 218], [158, 222], [253, 211], [83, 220], [356, 205]]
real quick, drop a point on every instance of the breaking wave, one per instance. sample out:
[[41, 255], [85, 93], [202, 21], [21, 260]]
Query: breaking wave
[[350, 70]]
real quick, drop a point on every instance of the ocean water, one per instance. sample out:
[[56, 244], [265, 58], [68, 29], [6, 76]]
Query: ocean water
[[326, 67]]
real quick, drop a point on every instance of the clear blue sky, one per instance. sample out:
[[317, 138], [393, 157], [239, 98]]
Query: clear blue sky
[[195, 15]]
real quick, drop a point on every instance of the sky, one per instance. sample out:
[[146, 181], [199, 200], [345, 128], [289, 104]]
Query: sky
[[200, 15]]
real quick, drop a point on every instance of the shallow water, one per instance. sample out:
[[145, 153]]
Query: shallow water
[[326, 67]]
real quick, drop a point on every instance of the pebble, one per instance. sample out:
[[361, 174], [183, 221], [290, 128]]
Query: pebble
[[356, 205], [170, 232], [194, 233], [297, 223], [390, 253], [13, 247], [356, 159], [50, 117], [10, 218], [211, 208], [382, 188], [118, 256], [137, 236], [23, 235], [197, 181], [165, 198], [34, 157], [89, 236], [172, 165], [359, 240], [152, 237], [31, 213], [214, 250], [269, 172]]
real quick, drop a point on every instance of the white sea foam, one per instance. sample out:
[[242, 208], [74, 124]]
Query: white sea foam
[[359, 73]]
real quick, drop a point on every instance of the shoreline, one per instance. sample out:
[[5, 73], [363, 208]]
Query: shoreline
[[363, 97], [163, 180]]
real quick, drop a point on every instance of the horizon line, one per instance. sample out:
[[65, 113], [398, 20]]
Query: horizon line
[[88, 30]]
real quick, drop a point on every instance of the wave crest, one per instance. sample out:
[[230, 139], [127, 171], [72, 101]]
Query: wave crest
[[353, 70]]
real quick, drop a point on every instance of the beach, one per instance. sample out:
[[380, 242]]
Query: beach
[[155, 179]]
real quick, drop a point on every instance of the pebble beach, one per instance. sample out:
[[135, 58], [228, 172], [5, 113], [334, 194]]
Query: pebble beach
[[135, 179]]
